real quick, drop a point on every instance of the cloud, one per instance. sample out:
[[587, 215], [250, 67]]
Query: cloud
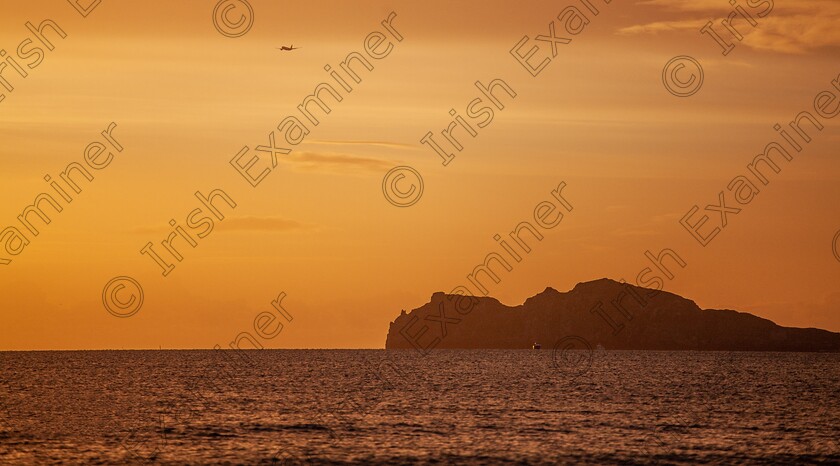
[[393, 145], [272, 224], [641, 232], [719, 6], [797, 34], [331, 161], [688, 5], [791, 27], [661, 26]]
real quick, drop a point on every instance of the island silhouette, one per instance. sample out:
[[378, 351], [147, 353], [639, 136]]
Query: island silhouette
[[615, 315]]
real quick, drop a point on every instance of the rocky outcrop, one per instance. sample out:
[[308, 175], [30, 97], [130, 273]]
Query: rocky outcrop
[[601, 312]]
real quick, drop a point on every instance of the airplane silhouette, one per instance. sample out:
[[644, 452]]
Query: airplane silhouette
[[288, 48]]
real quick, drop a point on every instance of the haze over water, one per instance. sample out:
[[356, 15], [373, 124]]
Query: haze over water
[[453, 406]]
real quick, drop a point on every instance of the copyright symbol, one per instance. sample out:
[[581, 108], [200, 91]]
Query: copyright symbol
[[682, 83], [402, 197], [572, 355], [222, 17], [122, 303], [835, 246]]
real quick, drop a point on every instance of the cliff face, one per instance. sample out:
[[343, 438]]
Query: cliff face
[[601, 312]]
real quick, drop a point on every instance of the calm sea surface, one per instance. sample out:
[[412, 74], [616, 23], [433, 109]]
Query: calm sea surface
[[400, 407]]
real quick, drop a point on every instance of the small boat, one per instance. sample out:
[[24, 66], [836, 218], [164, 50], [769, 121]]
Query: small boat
[[536, 346]]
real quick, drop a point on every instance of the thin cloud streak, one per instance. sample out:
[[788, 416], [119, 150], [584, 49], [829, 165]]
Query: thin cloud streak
[[271, 224], [330, 161], [393, 145], [801, 27]]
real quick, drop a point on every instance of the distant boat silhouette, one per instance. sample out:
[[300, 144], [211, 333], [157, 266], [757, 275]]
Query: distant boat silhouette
[[291, 47]]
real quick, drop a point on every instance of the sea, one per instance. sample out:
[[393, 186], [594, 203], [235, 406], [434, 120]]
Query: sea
[[475, 407]]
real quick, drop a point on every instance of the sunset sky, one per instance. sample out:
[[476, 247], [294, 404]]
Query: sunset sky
[[186, 99]]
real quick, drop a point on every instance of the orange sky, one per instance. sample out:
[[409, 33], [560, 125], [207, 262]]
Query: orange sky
[[186, 99]]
